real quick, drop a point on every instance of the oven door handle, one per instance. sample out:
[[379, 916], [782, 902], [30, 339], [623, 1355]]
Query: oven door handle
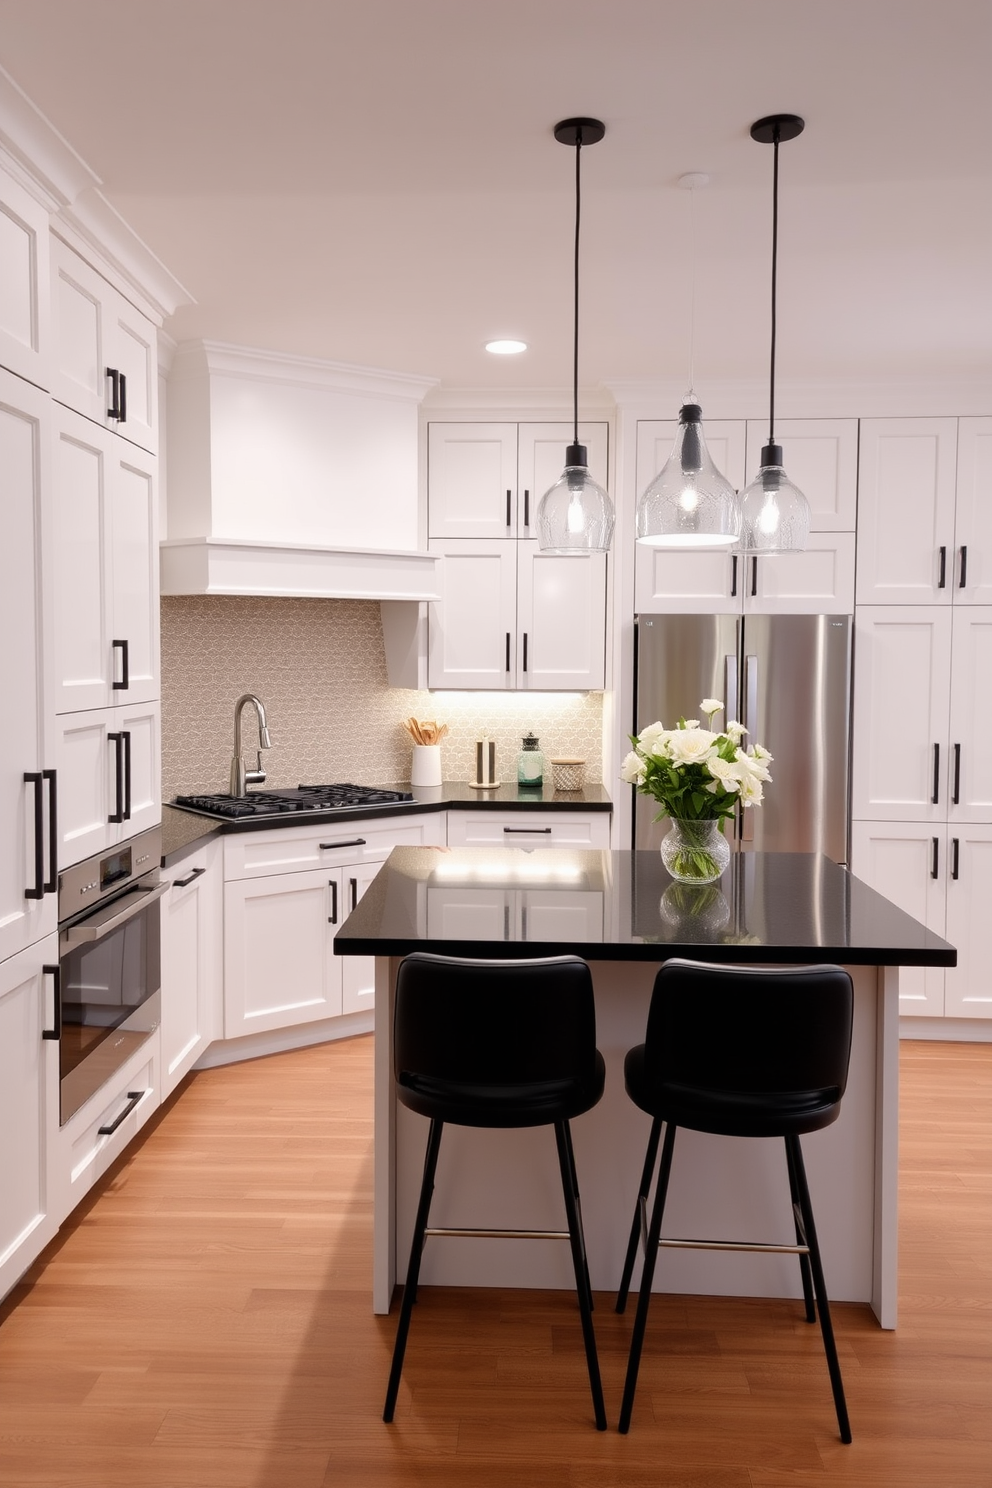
[[100, 923]]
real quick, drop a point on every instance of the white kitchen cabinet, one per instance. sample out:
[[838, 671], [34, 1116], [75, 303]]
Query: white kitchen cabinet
[[27, 910], [104, 561], [192, 961], [521, 915], [968, 986], [907, 862], [972, 576], [24, 294], [821, 458], [817, 581], [105, 353], [537, 828], [485, 480], [969, 735], [512, 617], [906, 485], [109, 772], [29, 1108], [357, 972]]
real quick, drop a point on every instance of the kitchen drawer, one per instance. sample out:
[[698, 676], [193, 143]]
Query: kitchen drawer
[[82, 1153], [589, 829], [301, 849]]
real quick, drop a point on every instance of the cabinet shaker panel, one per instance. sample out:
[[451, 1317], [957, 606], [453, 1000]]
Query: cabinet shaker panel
[[472, 473], [970, 733], [821, 457], [968, 986], [973, 517], [473, 629], [907, 863], [906, 485], [24, 294]]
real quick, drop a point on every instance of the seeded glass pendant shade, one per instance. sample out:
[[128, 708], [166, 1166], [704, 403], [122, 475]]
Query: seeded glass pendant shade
[[774, 512], [576, 515], [689, 504]]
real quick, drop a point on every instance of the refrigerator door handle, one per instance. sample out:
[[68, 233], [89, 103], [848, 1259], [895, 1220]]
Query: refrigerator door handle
[[730, 688], [750, 721]]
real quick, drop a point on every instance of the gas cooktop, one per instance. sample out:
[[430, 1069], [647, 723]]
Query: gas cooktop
[[304, 799]]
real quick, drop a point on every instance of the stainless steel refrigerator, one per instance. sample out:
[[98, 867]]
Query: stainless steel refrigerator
[[787, 678]]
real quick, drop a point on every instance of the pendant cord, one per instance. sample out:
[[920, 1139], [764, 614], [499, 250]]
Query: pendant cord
[[771, 380], [575, 320], [692, 293]]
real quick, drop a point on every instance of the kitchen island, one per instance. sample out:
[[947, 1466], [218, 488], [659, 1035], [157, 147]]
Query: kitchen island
[[622, 913]]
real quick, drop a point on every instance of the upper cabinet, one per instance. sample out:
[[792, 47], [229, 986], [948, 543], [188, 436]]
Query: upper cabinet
[[486, 480], [24, 299], [821, 457], [973, 513], [104, 351]]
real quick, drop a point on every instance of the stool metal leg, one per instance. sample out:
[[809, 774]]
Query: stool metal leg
[[823, 1306], [413, 1270], [647, 1173], [578, 1208], [647, 1276], [569, 1184], [804, 1270]]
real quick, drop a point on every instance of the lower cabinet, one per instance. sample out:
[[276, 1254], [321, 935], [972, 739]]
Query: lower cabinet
[[537, 828], [29, 1108], [192, 961], [94, 1138], [942, 876]]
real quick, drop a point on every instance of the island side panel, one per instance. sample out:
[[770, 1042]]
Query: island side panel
[[885, 1263], [384, 1159]]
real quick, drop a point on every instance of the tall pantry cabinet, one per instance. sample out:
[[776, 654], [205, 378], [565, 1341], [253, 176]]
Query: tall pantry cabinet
[[922, 768]]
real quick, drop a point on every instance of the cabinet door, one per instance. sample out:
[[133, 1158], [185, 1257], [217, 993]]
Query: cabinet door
[[906, 480], [969, 894], [817, 581], [970, 733], [28, 1107], [821, 458], [133, 590], [109, 773], [707, 581], [192, 962], [23, 462], [357, 972], [561, 620], [472, 480], [133, 350], [568, 916], [541, 461], [907, 863], [24, 291], [901, 700], [973, 516], [473, 628], [279, 963]]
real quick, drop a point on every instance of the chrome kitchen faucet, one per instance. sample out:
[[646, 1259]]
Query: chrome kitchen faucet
[[240, 777]]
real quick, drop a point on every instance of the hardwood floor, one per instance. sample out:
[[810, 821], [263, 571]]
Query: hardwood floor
[[205, 1320]]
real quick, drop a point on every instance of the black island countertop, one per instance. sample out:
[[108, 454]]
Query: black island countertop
[[767, 907], [183, 831]]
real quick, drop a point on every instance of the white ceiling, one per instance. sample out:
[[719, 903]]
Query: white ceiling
[[376, 181]]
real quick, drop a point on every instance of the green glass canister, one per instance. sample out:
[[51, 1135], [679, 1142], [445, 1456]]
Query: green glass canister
[[530, 762]]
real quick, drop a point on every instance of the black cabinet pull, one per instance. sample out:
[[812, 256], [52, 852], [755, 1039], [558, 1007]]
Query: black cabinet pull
[[117, 815], [941, 567], [352, 842], [507, 651], [55, 1032], [955, 845], [126, 736], [526, 508], [956, 797], [754, 575], [508, 499], [964, 567], [353, 886], [52, 884], [133, 1097], [124, 683], [525, 650], [123, 412], [733, 576], [184, 883], [332, 918], [114, 411], [528, 831], [935, 797], [37, 891], [934, 852]]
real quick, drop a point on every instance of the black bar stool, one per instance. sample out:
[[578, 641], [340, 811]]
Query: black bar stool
[[746, 1052], [497, 1044]]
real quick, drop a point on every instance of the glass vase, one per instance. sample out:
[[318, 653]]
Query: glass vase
[[695, 852]]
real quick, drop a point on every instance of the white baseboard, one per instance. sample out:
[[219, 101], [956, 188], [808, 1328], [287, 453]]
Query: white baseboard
[[947, 1030], [257, 1045]]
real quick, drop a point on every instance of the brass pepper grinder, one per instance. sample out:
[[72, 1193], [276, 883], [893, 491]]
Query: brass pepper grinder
[[530, 762]]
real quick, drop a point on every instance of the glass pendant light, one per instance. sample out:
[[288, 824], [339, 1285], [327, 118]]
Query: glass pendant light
[[576, 515], [775, 513], [689, 504]]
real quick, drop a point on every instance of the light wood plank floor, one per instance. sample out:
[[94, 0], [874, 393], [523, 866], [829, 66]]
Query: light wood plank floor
[[205, 1320]]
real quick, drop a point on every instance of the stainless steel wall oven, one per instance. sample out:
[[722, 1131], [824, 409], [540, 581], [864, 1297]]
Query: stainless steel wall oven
[[108, 993]]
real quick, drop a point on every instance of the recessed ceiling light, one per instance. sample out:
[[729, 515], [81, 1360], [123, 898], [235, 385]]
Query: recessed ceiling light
[[506, 348]]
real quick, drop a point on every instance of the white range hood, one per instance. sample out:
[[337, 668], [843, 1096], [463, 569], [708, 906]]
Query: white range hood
[[210, 565]]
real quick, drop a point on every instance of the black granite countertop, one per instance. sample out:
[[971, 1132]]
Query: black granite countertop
[[767, 907], [184, 831]]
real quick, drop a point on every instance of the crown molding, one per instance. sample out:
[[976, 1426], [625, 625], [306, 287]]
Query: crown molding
[[96, 229], [909, 398], [47, 165], [199, 358], [542, 404]]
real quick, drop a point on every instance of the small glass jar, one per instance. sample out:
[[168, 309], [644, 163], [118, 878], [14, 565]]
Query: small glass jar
[[530, 762]]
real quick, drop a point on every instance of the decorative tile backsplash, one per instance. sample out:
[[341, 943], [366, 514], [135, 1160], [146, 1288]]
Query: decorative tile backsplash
[[319, 667]]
